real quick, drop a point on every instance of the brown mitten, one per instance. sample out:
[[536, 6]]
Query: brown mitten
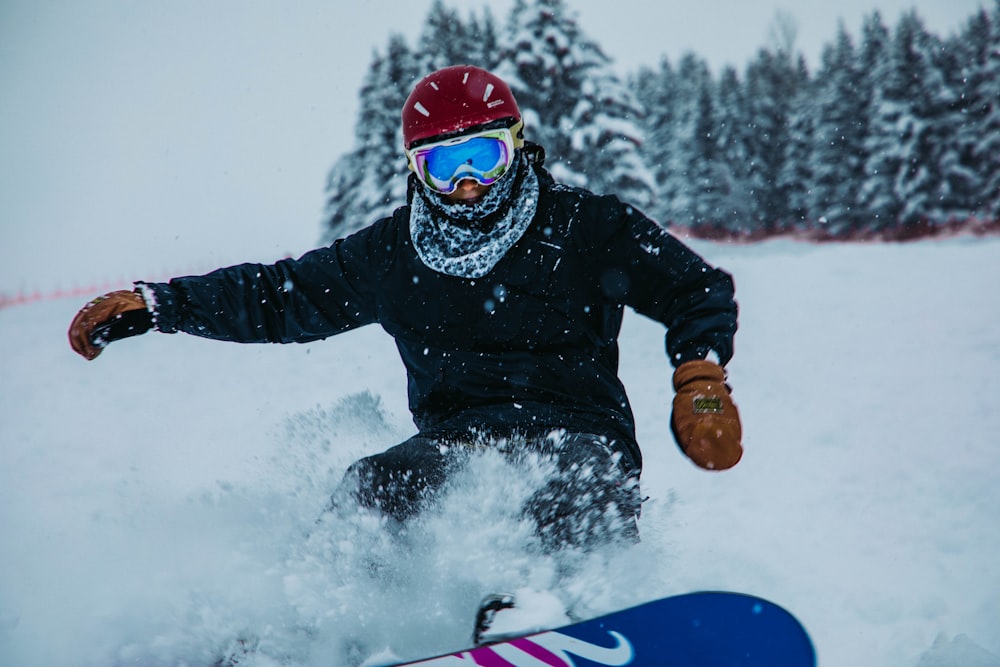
[[705, 422], [109, 317]]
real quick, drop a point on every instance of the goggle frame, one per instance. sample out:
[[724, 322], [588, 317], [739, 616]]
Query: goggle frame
[[509, 137]]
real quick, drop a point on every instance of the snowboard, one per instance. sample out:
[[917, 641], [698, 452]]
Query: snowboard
[[704, 629]]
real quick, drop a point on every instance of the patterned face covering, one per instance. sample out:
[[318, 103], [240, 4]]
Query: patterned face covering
[[467, 240]]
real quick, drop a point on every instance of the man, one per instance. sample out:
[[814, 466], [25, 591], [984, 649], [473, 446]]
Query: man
[[504, 292]]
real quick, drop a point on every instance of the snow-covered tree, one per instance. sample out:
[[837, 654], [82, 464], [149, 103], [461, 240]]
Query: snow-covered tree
[[797, 173], [732, 138], [877, 194], [656, 91], [773, 80], [484, 41], [443, 41], [448, 40], [910, 145], [840, 98], [606, 132], [696, 144], [690, 182], [960, 177], [370, 181], [573, 103], [987, 152], [794, 174], [976, 77]]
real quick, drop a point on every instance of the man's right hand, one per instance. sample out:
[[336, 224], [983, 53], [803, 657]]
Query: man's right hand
[[107, 318]]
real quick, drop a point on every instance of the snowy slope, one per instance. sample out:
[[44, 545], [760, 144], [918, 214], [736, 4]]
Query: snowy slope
[[162, 500]]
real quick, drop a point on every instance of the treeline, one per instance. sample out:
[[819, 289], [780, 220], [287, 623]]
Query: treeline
[[897, 135]]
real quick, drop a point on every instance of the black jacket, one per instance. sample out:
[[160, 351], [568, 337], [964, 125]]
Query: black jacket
[[532, 342]]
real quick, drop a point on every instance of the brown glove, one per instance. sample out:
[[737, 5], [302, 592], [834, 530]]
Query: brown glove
[[705, 422], [109, 317]]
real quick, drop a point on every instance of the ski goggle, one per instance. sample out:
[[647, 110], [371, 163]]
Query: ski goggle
[[483, 156]]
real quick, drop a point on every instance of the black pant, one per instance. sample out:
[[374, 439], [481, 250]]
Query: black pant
[[591, 498]]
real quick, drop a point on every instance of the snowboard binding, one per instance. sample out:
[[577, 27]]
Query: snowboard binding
[[485, 615]]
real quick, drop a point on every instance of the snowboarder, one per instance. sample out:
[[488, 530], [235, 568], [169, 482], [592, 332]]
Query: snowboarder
[[504, 292]]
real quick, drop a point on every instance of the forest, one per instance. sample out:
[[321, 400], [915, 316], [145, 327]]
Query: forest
[[895, 136]]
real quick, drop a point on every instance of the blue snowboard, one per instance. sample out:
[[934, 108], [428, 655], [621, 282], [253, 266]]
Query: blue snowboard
[[708, 629]]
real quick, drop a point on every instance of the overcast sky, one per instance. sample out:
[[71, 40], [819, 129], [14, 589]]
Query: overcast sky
[[145, 139]]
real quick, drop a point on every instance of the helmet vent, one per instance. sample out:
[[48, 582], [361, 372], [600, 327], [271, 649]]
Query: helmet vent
[[488, 92], [422, 109]]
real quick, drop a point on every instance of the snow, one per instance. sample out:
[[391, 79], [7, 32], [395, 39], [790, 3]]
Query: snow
[[162, 501]]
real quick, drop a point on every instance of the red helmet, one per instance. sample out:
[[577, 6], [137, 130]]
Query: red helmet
[[453, 99]]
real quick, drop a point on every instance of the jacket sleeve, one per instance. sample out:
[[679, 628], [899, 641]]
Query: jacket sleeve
[[325, 292], [649, 269]]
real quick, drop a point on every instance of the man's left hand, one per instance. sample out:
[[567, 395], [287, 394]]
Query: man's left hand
[[705, 421]]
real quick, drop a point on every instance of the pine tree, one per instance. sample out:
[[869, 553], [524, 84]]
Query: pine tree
[[796, 177], [947, 115], [733, 141], [987, 153], [572, 102], [695, 145], [917, 174], [447, 40], [918, 99], [537, 66], [957, 59], [606, 123], [656, 91], [977, 77], [370, 181], [688, 186], [794, 174], [772, 80], [483, 41], [877, 194], [837, 160]]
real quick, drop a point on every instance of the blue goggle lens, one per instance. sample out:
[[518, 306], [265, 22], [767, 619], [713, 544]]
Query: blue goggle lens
[[476, 155]]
